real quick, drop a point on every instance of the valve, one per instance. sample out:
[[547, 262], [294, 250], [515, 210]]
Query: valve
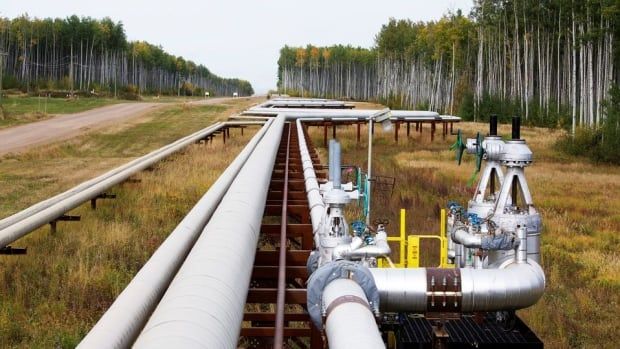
[[479, 153], [359, 227], [458, 146]]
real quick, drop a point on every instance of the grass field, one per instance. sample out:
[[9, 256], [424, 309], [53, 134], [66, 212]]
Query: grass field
[[578, 202], [21, 109], [51, 297]]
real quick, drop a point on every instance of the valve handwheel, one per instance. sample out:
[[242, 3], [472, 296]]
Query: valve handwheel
[[458, 146]]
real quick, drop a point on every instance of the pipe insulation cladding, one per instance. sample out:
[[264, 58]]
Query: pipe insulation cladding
[[203, 307], [349, 322], [5, 222], [123, 321], [515, 286]]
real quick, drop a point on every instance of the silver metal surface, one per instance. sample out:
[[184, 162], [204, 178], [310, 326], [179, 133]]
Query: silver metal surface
[[315, 200], [349, 324], [123, 321], [203, 307], [515, 286]]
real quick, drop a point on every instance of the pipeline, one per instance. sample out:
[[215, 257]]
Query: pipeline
[[203, 307], [315, 200], [123, 321], [518, 285], [24, 222], [349, 321]]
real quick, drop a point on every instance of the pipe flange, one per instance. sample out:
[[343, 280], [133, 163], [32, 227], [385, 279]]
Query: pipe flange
[[333, 271]]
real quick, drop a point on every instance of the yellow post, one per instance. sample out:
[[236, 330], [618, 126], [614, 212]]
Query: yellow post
[[403, 239], [442, 229]]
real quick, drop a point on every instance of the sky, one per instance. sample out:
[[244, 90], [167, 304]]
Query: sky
[[242, 38]]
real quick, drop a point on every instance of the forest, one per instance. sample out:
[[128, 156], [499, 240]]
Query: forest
[[91, 56], [552, 61]]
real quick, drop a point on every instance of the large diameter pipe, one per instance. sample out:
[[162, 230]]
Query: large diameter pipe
[[350, 322], [315, 200], [203, 307], [123, 321], [516, 286]]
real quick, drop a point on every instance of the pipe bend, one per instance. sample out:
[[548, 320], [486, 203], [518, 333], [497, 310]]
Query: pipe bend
[[516, 286], [461, 235]]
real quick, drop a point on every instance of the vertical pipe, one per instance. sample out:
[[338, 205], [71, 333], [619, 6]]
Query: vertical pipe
[[330, 161], [493, 125], [336, 163], [521, 256], [369, 172], [516, 127]]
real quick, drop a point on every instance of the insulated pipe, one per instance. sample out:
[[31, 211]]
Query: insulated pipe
[[460, 235], [203, 307], [45, 212], [315, 200], [516, 286], [355, 251], [123, 321], [330, 160], [336, 164], [349, 322], [47, 203]]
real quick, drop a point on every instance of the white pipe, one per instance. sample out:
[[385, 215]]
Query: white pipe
[[295, 113], [337, 169], [315, 200], [203, 307], [516, 286], [355, 251], [5, 222], [460, 235], [40, 214], [123, 321], [350, 322]]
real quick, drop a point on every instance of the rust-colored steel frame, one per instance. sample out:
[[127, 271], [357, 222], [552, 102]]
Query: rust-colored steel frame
[[279, 276]]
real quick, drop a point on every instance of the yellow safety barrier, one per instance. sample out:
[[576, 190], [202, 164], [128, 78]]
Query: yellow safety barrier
[[409, 246]]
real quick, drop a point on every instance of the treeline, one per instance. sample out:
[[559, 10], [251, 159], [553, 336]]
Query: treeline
[[85, 54], [551, 61]]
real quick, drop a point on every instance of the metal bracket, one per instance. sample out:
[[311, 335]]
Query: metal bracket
[[8, 250], [64, 218], [93, 201]]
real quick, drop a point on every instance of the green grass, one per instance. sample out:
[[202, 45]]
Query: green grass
[[51, 297], [577, 200], [20, 110]]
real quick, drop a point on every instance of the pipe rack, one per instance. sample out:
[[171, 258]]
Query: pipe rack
[[123, 321], [204, 304], [24, 222]]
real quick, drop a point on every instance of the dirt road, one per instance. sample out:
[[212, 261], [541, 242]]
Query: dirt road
[[19, 138]]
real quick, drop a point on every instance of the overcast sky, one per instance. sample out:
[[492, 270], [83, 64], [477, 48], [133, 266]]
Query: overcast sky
[[242, 38]]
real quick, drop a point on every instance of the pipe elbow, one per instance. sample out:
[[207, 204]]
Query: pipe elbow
[[461, 235]]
